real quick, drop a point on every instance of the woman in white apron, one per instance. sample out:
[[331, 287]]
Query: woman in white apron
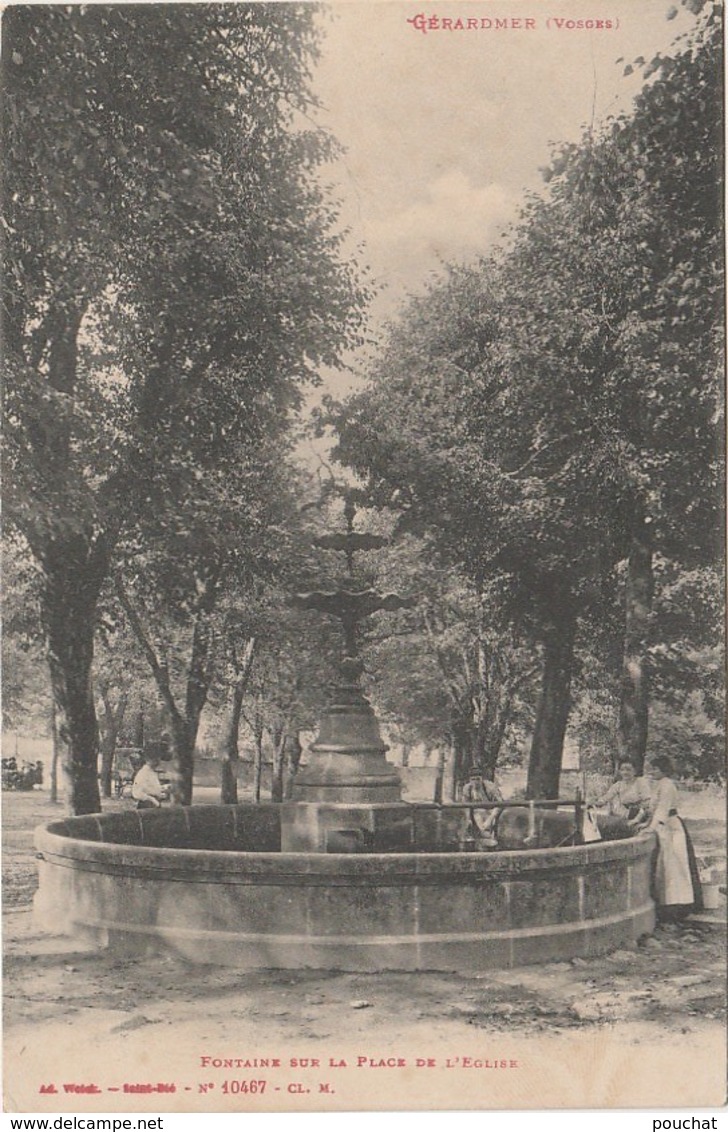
[[677, 886]]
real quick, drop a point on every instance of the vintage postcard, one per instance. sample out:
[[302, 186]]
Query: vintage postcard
[[363, 736]]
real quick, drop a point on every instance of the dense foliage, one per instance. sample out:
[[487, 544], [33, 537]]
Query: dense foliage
[[553, 417]]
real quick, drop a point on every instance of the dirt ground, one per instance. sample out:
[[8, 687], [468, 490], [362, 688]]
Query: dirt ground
[[69, 1012]]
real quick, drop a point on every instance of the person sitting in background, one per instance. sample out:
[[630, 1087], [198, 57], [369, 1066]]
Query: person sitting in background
[[629, 797], [147, 789], [479, 789]]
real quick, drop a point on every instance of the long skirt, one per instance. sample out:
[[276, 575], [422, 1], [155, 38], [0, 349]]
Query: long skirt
[[677, 884]]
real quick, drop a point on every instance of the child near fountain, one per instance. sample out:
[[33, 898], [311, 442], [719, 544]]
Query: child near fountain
[[479, 789]]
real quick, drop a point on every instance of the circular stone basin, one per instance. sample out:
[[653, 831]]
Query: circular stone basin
[[210, 883]]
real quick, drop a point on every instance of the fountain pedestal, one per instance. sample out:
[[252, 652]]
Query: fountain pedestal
[[347, 798], [339, 827]]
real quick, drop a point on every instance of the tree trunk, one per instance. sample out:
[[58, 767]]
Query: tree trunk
[[110, 725], [292, 758], [544, 768], [279, 750], [55, 756], [139, 729], [439, 777], [463, 751], [490, 734], [492, 744], [258, 764], [184, 737], [634, 700], [199, 678], [74, 563], [107, 761], [231, 749], [453, 776], [73, 572], [184, 725]]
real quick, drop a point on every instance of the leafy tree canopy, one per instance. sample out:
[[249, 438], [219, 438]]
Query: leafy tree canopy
[[173, 272]]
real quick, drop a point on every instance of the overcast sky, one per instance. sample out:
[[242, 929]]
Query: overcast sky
[[445, 130]]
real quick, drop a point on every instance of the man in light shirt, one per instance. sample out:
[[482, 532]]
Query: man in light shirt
[[147, 789]]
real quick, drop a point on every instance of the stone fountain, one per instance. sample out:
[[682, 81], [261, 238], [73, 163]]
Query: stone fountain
[[348, 797], [346, 875]]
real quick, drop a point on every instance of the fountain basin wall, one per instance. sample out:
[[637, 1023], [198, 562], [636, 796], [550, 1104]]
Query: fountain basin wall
[[208, 883]]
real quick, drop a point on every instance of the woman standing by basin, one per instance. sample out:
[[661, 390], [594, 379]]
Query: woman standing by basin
[[677, 885]]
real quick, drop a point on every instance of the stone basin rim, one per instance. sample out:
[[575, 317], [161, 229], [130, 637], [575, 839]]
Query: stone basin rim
[[60, 843]]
